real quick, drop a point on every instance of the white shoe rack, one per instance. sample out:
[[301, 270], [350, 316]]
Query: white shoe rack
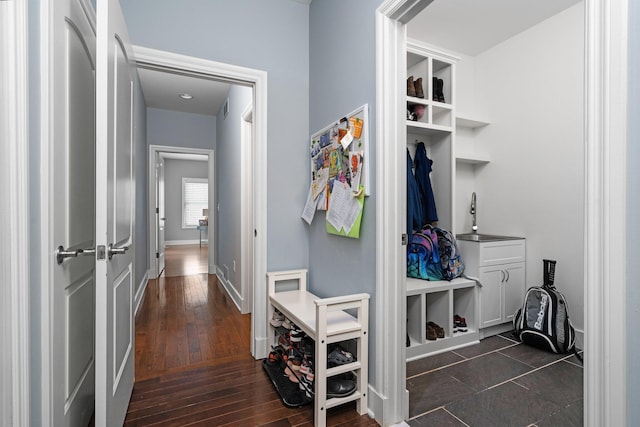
[[326, 321]]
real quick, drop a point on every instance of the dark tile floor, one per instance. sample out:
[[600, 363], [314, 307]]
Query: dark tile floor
[[499, 382]]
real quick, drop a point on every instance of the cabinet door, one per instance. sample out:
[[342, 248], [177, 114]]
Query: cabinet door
[[491, 295], [514, 289]]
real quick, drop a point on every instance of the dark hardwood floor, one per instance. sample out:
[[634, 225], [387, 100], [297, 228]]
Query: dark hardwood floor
[[193, 361]]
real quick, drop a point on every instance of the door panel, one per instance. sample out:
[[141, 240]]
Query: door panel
[[514, 289], [72, 168], [114, 217], [490, 296]]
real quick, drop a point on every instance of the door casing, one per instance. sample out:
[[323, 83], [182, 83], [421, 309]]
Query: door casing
[[606, 32], [198, 67]]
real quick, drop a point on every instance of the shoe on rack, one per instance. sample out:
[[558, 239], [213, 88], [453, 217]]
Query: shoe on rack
[[459, 324], [440, 90], [296, 333], [434, 88], [439, 330], [431, 333], [286, 323], [339, 357], [284, 343], [340, 388], [411, 88], [418, 86], [277, 319]]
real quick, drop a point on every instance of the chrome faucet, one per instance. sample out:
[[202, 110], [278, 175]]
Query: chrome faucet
[[472, 211]]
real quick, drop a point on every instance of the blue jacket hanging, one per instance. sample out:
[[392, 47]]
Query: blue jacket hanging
[[414, 205], [423, 169]]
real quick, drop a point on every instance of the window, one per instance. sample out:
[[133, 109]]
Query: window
[[195, 198]]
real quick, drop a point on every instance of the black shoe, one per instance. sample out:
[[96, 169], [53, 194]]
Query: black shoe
[[440, 90], [434, 88], [340, 387]]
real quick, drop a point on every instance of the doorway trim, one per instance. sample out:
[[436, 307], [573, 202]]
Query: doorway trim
[[246, 209], [14, 224], [152, 198], [257, 79], [605, 210]]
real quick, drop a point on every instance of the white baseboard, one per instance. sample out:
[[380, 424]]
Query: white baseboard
[[231, 290], [140, 293], [182, 242], [376, 403]]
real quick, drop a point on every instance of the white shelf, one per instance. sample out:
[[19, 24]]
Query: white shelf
[[420, 128], [474, 159], [467, 122], [418, 286]]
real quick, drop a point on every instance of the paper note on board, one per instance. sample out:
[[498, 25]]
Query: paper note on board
[[309, 210], [339, 204], [346, 140]]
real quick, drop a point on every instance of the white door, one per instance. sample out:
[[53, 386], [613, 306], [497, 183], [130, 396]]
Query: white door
[[114, 217], [72, 293], [160, 212], [514, 289]]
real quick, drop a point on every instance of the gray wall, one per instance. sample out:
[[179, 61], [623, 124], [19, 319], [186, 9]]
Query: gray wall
[[174, 171], [228, 175], [633, 227], [339, 265], [178, 129], [272, 36], [140, 154]]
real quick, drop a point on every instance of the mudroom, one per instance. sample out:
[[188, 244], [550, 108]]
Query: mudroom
[[496, 115]]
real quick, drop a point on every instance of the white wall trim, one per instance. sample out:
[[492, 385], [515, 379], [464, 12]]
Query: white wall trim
[[390, 202], [153, 150], [14, 224], [140, 293], [605, 220], [230, 289], [183, 242], [246, 209], [257, 79]]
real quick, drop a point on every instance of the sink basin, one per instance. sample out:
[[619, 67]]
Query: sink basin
[[477, 237]]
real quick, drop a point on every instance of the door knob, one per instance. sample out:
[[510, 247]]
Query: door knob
[[111, 251], [62, 254]]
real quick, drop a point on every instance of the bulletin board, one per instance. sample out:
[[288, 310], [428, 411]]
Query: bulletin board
[[340, 173]]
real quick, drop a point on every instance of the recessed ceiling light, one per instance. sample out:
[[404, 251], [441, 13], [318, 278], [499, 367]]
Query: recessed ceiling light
[[185, 96]]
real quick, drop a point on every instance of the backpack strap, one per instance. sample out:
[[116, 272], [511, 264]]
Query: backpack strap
[[575, 352]]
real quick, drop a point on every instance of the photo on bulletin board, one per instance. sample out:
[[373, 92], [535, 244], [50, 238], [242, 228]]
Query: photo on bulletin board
[[339, 160]]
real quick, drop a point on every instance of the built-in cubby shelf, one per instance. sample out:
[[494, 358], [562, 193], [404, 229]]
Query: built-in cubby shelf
[[438, 302]]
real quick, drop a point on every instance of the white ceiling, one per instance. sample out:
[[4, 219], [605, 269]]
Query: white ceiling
[[161, 90], [473, 26]]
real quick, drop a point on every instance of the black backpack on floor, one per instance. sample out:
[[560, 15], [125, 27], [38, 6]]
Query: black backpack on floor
[[543, 321]]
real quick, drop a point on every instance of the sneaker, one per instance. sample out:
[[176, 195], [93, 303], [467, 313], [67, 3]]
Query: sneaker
[[339, 357], [284, 342], [296, 333], [439, 330], [286, 323], [277, 319], [459, 324]]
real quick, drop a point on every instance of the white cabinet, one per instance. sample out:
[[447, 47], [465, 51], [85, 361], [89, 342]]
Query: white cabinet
[[501, 293], [499, 267]]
